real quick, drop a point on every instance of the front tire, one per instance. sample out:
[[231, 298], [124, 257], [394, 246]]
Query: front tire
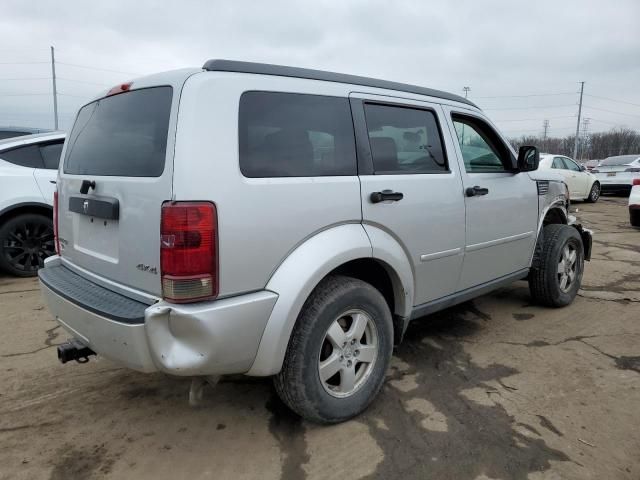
[[594, 194], [556, 279], [339, 351], [25, 241]]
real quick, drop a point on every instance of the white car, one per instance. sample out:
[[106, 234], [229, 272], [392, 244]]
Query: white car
[[616, 174], [634, 204], [583, 185], [28, 170]]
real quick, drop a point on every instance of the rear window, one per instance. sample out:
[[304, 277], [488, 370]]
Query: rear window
[[122, 135], [621, 160], [295, 135]]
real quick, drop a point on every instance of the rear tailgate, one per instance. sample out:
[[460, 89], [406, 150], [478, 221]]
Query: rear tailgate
[[121, 150]]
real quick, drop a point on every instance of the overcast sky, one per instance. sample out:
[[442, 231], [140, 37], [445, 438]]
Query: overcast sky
[[499, 49]]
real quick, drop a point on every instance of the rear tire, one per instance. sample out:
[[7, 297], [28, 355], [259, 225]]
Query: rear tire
[[339, 351], [25, 241], [556, 279], [594, 194]]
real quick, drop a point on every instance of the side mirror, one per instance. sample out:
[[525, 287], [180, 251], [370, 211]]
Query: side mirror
[[528, 158], [583, 168]]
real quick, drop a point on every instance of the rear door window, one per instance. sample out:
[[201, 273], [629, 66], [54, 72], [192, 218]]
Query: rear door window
[[404, 140], [122, 135], [295, 135], [26, 156]]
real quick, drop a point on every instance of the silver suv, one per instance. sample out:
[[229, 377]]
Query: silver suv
[[254, 219]]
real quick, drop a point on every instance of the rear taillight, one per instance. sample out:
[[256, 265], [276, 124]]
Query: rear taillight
[[636, 181], [189, 251], [55, 222]]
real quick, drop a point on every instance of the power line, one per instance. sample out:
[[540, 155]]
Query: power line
[[26, 78], [22, 63], [83, 81], [22, 94], [527, 108], [603, 121], [529, 95], [533, 119], [611, 111], [537, 130], [612, 100], [72, 95], [94, 68]]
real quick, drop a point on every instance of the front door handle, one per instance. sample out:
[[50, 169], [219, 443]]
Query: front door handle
[[476, 191], [385, 195]]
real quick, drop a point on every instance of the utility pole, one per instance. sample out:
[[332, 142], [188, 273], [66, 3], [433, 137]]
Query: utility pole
[[585, 135], [575, 146], [545, 126], [55, 91]]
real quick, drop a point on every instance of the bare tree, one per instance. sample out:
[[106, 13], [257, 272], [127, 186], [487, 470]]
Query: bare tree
[[617, 141]]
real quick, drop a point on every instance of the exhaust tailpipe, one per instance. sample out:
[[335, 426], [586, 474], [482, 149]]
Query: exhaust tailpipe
[[74, 350]]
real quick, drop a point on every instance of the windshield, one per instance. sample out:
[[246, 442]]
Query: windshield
[[619, 160], [122, 135]]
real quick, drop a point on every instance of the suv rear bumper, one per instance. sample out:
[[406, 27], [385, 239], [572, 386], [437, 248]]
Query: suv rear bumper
[[206, 338]]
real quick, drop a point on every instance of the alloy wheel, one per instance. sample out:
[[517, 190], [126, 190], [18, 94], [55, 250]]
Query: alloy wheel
[[567, 267], [348, 353], [27, 245]]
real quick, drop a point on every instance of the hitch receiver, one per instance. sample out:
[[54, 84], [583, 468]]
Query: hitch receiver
[[74, 350]]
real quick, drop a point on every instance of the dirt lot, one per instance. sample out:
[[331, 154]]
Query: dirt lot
[[495, 388]]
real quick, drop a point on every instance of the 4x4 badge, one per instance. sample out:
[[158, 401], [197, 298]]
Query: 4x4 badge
[[147, 268]]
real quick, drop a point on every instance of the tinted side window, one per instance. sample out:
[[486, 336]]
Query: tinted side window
[[558, 163], [295, 135], [482, 149], [10, 134], [51, 155], [404, 140], [27, 156]]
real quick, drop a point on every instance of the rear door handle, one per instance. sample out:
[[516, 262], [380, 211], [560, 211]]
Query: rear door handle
[[476, 191], [385, 195]]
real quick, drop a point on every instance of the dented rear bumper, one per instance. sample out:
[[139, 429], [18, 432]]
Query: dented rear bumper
[[205, 338]]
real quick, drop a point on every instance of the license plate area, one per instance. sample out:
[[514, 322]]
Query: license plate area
[[96, 237], [611, 174]]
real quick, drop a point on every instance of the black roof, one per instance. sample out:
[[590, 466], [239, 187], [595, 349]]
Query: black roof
[[283, 71]]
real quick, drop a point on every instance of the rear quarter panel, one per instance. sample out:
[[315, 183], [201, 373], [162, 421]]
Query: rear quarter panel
[[260, 220]]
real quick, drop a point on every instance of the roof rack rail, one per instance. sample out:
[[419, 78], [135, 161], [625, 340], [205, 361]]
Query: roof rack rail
[[283, 71]]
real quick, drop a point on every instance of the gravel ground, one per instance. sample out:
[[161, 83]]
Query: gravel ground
[[494, 388]]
